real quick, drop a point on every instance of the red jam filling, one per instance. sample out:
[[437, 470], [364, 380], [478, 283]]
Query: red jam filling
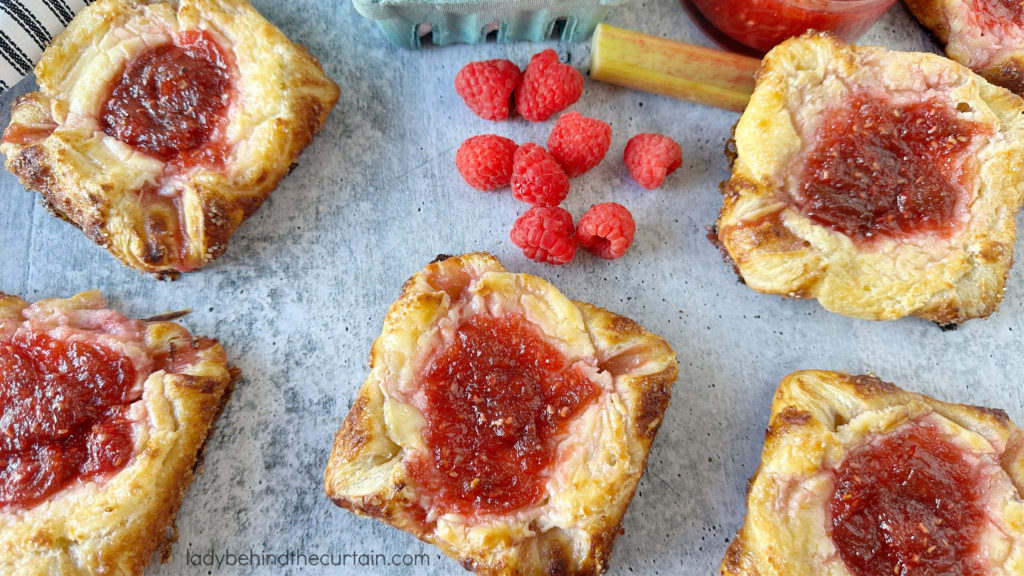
[[908, 504], [761, 24], [64, 415], [879, 170], [170, 100], [999, 11], [497, 398]]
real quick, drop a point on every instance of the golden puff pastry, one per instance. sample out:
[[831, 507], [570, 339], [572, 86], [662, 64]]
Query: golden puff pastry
[[883, 184], [160, 126], [91, 483], [861, 478], [502, 422], [985, 35]]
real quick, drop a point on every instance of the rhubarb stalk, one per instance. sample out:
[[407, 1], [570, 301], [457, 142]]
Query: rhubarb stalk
[[694, 73]]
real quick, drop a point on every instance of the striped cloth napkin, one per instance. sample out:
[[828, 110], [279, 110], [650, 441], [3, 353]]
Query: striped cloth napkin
[[26, 27]]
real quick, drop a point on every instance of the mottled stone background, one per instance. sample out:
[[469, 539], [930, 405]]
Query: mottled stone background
[[302, 291]]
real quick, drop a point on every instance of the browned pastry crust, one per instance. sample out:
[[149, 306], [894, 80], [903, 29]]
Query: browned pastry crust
[[572, 529], [115, 525], [817, 418], [55, 144], [996, 51], [779, 249]]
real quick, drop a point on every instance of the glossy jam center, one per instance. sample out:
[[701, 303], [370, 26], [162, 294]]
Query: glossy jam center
[[497, 398], [170, 98], [761, 24], [63, 415], [878, 170], [908, 504]]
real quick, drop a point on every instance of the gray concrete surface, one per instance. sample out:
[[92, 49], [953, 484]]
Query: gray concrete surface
[[302, 291]]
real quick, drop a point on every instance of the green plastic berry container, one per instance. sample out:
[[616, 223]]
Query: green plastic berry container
[[408, 22]]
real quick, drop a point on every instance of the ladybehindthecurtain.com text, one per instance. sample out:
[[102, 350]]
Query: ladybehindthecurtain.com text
[[252, 558]]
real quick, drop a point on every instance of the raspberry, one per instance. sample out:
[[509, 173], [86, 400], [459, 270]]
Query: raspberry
[[487, 87], [579, 143], [606, 230], [548, 87], [537, 178], [485, 161], [652, 157], [545, 235]]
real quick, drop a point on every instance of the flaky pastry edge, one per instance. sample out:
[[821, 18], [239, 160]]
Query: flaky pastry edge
[[282, 99], [365, 473], [114, 525], [809, 411], [778, 250]]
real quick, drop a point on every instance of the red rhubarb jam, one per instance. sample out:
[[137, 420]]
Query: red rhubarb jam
[[23, 135], [497, 398], [910, 503], [882, 170], [170, 99], [998, 11], [64, 415], [754, 26]]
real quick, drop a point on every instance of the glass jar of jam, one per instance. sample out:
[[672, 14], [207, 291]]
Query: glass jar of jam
[[754, 26]]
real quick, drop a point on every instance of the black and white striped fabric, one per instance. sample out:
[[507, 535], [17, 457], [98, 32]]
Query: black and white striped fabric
[[26, 27]]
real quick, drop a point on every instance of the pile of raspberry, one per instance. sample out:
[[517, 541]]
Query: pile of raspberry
[[540, 176]]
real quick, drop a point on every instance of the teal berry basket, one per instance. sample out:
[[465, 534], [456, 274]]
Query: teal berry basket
[[407, 22]]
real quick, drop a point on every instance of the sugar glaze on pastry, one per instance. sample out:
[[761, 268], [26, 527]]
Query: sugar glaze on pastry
[[861, 478], [160, 126], [102, 420], [881, 183], [501, 421]]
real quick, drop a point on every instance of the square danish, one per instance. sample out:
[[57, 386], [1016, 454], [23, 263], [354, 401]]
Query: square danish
[[861, 478], [883, 184], [501, 421], [102, 418], [985, 35], [160, 126]]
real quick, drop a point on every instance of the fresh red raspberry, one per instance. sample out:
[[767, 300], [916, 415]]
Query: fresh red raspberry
[[487, 87], [652, 157], [579, 143], [545, 235], [606, 230], [537, 178], [548, 87], [485, 161]]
